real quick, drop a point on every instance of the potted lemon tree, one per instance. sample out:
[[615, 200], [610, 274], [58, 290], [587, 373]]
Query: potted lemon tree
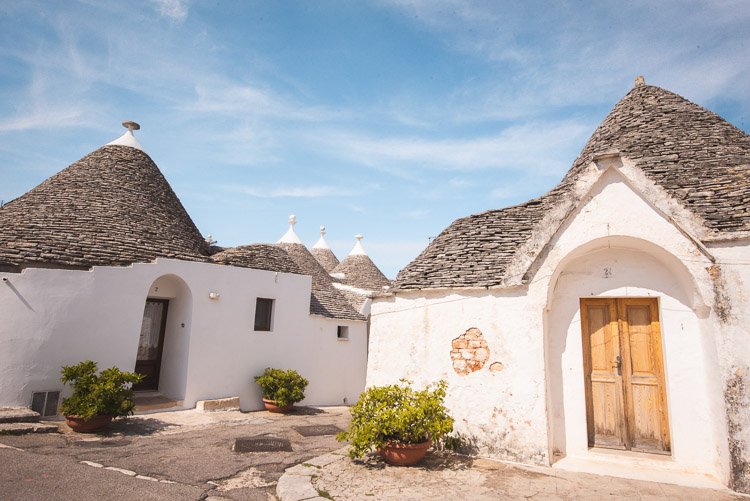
[[96, 398], [399, 421], [281, 389]]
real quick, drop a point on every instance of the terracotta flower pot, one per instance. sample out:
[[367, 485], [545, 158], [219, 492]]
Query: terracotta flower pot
[[96, 423], [404, 454], [271, 406]]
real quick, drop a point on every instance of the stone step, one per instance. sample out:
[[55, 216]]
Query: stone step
[[18, 415], [218, 404], [24, 428], [152, 402]]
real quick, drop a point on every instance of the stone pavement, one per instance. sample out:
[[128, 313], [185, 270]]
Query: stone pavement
[[188, 455], [444, 476], [182, 455]]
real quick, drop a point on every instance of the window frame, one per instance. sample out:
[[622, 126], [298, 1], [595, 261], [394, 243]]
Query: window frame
[[268, 320], [342, 333]]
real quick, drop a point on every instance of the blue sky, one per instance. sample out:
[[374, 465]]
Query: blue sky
[[390, 119]]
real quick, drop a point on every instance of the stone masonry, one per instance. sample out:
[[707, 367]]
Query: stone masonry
[[469, 352]]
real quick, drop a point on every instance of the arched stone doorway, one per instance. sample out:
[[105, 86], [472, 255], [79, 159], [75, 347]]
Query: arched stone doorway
[[165, 337], [618, 271]]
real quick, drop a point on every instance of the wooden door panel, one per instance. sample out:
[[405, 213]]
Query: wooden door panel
[[607, 423], [638, 322], [646, 409], [626, 404], [644, 379], [601, 342]]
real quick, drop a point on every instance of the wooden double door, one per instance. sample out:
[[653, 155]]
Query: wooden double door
[[626, 405]]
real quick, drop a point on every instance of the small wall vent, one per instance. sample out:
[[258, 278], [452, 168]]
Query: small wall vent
[[45, 402], [342, 333]]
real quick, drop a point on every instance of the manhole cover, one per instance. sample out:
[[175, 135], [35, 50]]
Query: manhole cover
[[94, 444], [262, 444], [317, 430]]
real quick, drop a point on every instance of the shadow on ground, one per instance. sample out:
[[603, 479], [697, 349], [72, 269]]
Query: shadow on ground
[[303, 411], [132, 427], [433, 461]]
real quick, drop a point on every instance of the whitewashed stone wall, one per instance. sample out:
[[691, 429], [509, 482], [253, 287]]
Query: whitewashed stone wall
[[60, 317], [615, 244], [503, 412], [734, 353]]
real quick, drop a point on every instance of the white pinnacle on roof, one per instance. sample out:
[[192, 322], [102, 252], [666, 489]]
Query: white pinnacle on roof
[[321, 244], [290, 237], [358, 250], [128, 139]]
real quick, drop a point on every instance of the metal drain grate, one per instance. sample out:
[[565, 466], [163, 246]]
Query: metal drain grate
[[317, 430], [262, 444], [98, 444]]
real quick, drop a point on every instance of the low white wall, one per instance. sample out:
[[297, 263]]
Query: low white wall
[[60, 317], [503, 412]]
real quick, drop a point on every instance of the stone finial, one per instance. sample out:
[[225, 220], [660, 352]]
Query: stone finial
[[290, 237], [640, 81], [358, 250], [322, 244], [128, 139]]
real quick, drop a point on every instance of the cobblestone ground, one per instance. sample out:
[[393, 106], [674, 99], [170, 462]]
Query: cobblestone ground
[[443, 476]]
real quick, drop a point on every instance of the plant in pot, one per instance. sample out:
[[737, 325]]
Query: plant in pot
[[281, 389], [96, 399], [399, 421]]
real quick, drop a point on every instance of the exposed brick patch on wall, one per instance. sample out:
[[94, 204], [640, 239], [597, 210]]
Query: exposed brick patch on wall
[[469, 352]]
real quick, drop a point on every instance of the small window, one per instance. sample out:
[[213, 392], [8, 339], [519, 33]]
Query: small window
[[342, 333], [263, 314]]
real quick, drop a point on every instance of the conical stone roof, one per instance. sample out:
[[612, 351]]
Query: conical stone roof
[[326, 300], [111, 208], [698, 158], [358, 270], [323, 253], [257, 256]]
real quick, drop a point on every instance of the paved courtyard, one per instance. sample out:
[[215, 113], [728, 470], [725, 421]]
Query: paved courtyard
[[189, 455]]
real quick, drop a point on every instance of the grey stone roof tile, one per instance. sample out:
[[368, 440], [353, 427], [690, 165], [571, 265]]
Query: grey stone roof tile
[[258, 256], [111, 208], [697, 157], [359, 271], [326, 300], [326, 258]]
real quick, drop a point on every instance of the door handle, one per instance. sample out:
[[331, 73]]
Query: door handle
[[618, 363]]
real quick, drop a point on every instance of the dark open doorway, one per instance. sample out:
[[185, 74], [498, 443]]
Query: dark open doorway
[[151, 343]]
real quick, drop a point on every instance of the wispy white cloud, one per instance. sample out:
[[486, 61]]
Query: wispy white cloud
[[176, 10], [419, 213], [532, 146], [42, 119], [231, 98], [291, 191], [584, 54]]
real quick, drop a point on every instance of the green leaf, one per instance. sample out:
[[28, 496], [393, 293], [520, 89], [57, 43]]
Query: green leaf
[[283, 387], [397, 413]]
